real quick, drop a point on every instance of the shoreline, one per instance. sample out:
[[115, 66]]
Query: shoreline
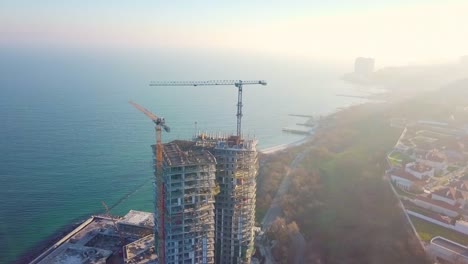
[[280, 147]]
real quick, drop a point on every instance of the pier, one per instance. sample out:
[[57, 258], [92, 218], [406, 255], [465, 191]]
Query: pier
[[307, 116], [296, 131], [305, 124]]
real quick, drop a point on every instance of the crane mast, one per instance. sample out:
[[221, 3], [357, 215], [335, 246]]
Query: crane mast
[[237, 83], [121, 237], [160, 209]]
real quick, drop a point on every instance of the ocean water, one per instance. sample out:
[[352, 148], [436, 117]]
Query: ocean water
[[69, 139]]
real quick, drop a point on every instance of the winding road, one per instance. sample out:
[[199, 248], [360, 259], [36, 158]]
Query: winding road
[[276, 211]]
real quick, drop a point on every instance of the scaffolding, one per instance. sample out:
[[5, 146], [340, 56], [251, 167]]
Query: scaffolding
[[237, 168], [189, 176]]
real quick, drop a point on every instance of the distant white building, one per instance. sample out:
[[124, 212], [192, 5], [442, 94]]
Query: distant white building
[[419, 170], [364, 66], [403, 179], [437, 206], [464, 60]]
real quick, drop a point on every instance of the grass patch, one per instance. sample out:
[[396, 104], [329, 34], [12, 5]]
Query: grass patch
[[398, 158], [427, 231]]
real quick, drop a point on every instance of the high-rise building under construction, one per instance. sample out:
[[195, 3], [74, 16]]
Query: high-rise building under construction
[[190, 187], [236, 172], [210, 188]]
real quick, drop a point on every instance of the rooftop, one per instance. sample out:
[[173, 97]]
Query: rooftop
[[138, 218], [230, 142], [419, 167], [405, 175], [141, 251], [94, 241], [428, 213], [450, 245], [97, 241], [78, 254], [183, 153], [438, 203]]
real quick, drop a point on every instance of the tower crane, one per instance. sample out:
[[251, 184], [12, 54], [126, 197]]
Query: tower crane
[[237, 83], [160, 123]]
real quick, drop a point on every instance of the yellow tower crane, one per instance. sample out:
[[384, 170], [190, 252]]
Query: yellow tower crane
[[160, 209]]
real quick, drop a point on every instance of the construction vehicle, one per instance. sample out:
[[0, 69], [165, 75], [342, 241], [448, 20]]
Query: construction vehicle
[[237, 83], [160, 123]]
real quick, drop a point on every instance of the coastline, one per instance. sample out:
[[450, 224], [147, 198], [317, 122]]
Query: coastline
[[277, 148], [35, 251]]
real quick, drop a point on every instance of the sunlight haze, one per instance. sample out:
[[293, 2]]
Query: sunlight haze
[[392, 31]]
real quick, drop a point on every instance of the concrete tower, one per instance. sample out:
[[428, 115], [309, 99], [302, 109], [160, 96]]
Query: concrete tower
[[190, 188], [236, 173]]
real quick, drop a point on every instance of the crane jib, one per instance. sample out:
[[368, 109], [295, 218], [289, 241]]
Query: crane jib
[[206, 83], [237, 83]]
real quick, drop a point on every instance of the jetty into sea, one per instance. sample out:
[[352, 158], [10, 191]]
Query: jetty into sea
[[296, 131]]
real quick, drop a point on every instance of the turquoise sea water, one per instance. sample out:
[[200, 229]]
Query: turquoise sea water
[[69, 139]]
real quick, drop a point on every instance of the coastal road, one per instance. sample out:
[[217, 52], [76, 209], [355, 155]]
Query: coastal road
[[276, 211]]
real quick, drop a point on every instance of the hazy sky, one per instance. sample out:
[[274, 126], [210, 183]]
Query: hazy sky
[[393, 31]]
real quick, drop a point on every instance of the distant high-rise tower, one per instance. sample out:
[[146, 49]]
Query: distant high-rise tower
[[190, 187], [236, 172], [464, 60], [364, 66]]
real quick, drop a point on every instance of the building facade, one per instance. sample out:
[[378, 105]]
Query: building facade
[[237, 169], [210, 195], [190, 188]]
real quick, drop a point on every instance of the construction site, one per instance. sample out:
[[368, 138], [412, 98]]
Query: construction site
[[204, 193], [105, 239]]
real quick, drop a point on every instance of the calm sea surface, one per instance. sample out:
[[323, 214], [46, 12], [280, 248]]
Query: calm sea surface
[[69, 139]]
